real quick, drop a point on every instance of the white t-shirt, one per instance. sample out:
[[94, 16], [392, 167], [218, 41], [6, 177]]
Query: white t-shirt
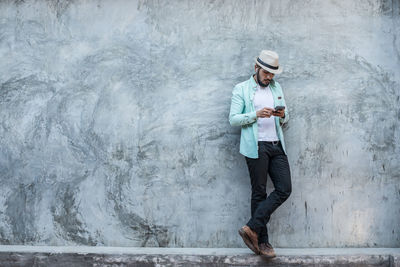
[[266, 126]]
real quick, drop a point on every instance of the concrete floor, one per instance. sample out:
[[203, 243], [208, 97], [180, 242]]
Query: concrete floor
[[139, 256]]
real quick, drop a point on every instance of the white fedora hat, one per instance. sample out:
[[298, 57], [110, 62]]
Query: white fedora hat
[[269, 61]]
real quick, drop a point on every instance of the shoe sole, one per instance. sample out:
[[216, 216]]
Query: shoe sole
[[268, 256], [247, 241]]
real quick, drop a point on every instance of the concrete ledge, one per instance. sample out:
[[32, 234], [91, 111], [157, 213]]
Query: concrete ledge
[[128, 256]]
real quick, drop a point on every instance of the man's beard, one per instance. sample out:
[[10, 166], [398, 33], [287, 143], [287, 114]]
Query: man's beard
[[260, 82]]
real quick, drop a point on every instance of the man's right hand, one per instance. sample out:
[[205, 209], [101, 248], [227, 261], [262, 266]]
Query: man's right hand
[[265, 112]]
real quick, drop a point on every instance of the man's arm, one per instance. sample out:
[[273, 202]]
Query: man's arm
[[286, 117], [236, 117]]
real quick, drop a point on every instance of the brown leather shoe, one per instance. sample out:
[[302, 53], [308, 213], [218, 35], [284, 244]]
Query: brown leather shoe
[[250, 238], [267, 250]]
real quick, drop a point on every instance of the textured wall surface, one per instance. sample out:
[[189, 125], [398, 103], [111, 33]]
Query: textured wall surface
[[114, 121]]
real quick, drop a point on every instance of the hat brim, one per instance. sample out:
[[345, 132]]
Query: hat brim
[[278, 71]]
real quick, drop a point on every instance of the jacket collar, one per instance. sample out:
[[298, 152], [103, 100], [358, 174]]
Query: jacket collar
[[254, 85]]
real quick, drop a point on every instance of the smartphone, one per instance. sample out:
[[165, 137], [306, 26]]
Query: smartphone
[[279, 108]]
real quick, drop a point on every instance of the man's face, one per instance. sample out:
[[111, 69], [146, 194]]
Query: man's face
[[263, 77]]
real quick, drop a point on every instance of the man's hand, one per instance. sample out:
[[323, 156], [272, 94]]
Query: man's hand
[[265, 112], [279, 113]]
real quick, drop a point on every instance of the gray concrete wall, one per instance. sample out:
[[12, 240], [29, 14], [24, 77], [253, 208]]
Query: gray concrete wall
[[114, 121]]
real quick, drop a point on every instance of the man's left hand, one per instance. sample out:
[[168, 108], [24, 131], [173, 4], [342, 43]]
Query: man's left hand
[[279, 113]]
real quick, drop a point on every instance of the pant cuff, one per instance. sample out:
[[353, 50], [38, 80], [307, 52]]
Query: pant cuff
[[252, 226], [263, 240]]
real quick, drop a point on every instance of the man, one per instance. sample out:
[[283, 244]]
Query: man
[[261, 142]]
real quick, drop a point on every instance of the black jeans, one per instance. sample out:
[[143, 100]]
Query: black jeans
[[273, 161]]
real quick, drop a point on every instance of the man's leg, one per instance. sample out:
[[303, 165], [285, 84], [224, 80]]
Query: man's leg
[[279, 172], [258, 170]]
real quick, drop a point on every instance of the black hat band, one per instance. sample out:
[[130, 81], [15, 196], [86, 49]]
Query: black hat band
[[266, 65]]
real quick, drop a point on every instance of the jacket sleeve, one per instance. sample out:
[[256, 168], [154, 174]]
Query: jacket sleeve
[[236, 117], [286, 118]]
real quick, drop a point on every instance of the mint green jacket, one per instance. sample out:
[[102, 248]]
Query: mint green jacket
[[243, 114]]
